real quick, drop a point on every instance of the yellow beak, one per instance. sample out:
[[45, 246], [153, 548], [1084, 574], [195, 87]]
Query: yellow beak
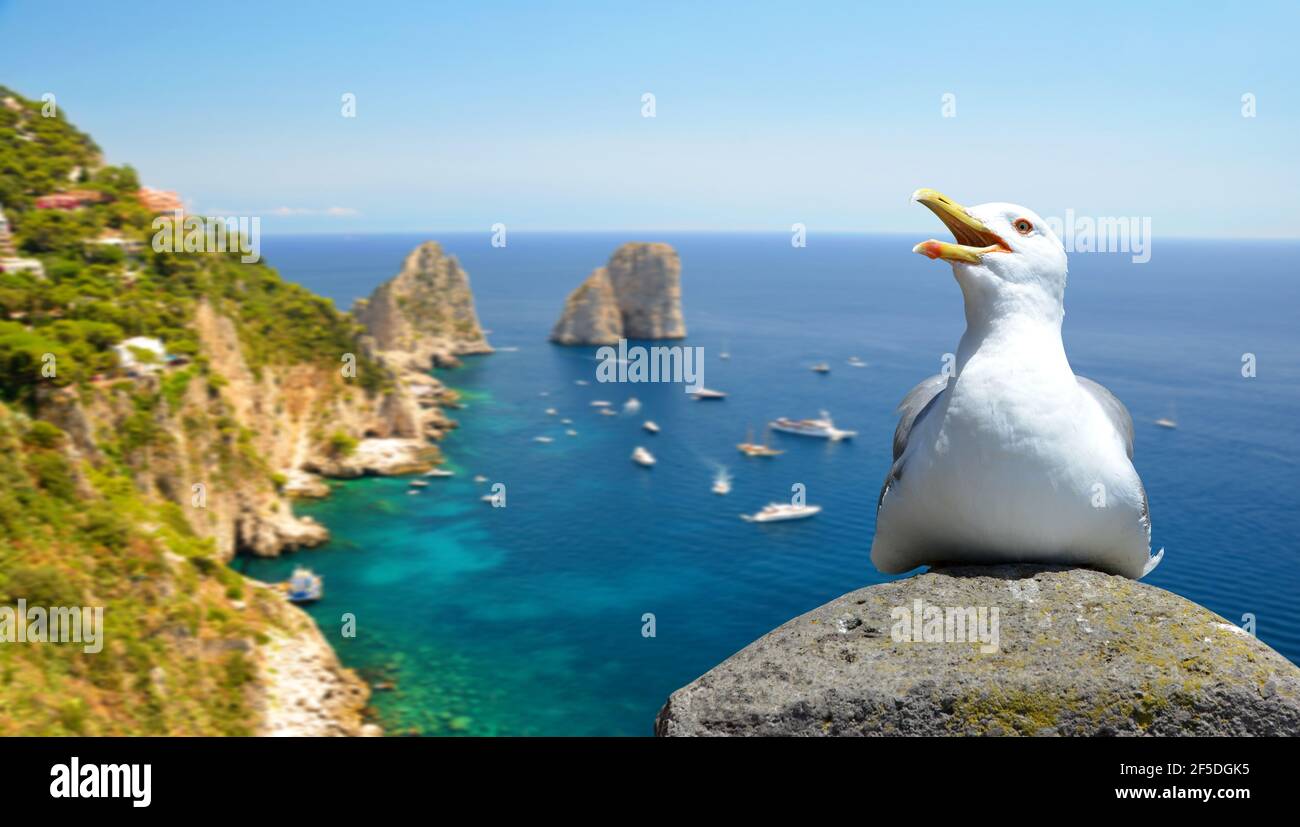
[[973, 238]]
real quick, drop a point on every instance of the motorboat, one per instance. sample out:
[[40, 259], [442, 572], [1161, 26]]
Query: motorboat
[[778, 512], [823, 428]]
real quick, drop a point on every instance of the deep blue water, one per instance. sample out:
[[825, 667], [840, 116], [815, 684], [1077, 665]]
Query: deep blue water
[[527, 619]]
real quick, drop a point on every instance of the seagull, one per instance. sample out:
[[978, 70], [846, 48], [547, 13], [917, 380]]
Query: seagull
[[1007, 456]]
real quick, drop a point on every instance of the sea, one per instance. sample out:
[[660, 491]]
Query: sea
[[602, 586]]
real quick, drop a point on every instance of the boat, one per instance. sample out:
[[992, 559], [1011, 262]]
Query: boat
[[571, 432], [821, 367], [856, 362], [418, 483], [543, 439], [599, 403], [439, 472], [643, 457], [823, 427], [551, 412], [1168, 421], [722, 482], [480, 478], [752, 449], [650, 426], [777, 512], [726, 352], [305, 586], [608, 412], [566, 421], [707, 393], [581, 382], [490, 499], [632, 405]]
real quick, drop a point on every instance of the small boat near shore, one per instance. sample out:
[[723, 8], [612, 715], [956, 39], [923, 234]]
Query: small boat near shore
[[643, 457], [418, 483], [823, 428], [304, 586], [439, 472], [545, 440], [779, 512], [650, 426]]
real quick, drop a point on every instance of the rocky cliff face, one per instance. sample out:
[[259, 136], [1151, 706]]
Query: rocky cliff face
[[1075, 652], [424, 316], [637, 295]]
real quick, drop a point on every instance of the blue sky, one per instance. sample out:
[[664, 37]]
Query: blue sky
[[827, 114]]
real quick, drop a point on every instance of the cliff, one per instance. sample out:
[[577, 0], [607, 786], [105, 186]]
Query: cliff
[[424, 316], [636, 295], [1072, 652], [130, 486]]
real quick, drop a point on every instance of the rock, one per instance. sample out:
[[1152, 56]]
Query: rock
[[1077, 652], [637, 295], [423, 316]]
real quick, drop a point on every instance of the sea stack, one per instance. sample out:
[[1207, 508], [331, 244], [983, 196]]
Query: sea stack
[[637, 295], [424, 316]]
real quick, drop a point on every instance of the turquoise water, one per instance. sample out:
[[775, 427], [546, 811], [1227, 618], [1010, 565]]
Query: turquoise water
[[528, 619]]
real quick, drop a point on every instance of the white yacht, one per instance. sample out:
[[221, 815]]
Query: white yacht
[[566, 421], [439, 472], [480, 478], [776, 512], [722, 482], [570, 432], [418, 483], [821, 367], [650, 426], [543, 439], [823, 428], [855, 362], [643, 457], [608, 412], [599, 403], [551, 412], [632, 405], [708, 393]]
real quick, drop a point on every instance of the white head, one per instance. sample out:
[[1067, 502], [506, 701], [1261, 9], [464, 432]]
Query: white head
[[1007, 260]]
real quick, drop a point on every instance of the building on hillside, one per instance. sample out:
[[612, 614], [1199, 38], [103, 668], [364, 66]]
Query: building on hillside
[[70, 200], [11, 264], [114, 238], [140, 355], [6, 237], [160, 201]]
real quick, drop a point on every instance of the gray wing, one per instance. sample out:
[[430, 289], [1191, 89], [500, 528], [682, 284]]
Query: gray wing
[[914, 406], [1114, 409], [1122, 421]]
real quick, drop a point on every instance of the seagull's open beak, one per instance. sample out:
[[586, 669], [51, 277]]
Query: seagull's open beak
[[973, 238]]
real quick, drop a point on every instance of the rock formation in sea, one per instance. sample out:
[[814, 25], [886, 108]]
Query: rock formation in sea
[[424, 316], [1077, 652], [636, 295]]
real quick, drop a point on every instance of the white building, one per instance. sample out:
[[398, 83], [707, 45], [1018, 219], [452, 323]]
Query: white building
[[132, 354]]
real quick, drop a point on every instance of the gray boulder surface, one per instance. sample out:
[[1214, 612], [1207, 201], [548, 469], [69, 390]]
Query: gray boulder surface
[[1077, 652]]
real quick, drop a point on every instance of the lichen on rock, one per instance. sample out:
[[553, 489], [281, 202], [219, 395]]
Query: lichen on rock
[[1077, 652]]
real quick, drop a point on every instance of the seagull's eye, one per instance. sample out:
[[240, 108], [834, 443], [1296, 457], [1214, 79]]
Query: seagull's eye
[[1023, 226]]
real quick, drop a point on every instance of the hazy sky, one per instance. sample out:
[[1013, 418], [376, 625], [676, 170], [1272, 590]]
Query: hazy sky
[[828, 114]]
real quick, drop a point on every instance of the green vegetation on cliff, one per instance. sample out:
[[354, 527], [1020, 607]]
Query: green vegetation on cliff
[[93, 460]]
